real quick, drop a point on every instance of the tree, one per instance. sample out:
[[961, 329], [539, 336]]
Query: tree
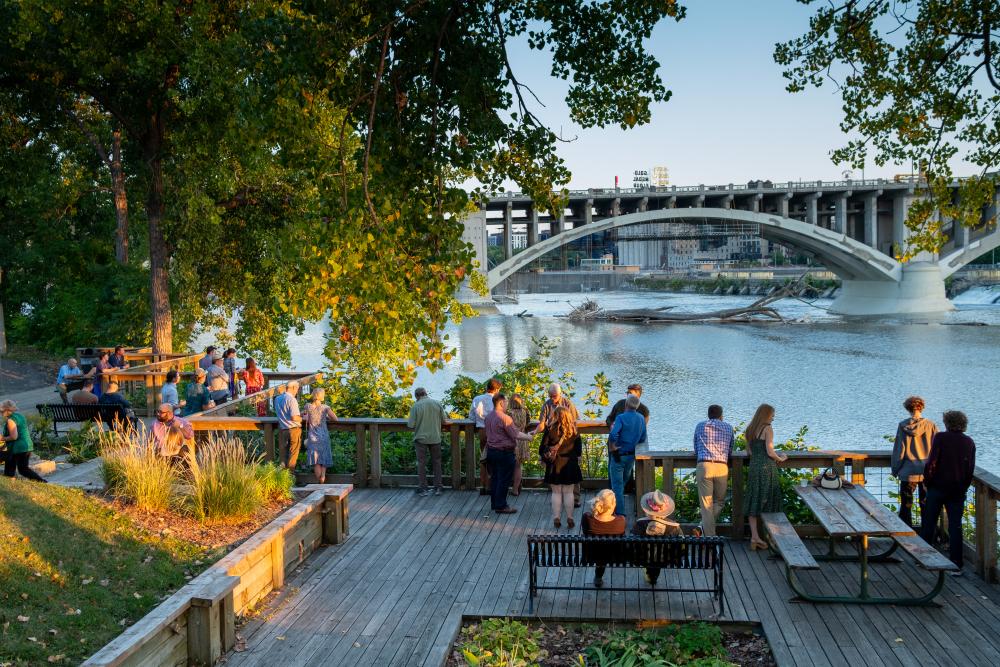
[[920, 82], [298, 160]]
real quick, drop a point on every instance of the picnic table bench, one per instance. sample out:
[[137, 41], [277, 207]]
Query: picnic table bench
[[856, 514], [73, 413], [665, 553]]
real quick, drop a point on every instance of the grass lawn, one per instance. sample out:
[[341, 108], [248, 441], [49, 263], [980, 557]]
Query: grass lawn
[[74, 574]]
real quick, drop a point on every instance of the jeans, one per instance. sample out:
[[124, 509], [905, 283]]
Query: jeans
[[955, 505], [20, 463], [619, 471], [501, 467], [422, 463], [906, 490]]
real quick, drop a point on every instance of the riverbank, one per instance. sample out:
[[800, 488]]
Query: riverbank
[[812, 288]]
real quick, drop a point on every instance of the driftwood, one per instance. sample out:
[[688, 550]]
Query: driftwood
[[759, 310]]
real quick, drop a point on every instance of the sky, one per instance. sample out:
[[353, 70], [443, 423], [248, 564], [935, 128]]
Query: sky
[[730, 119]]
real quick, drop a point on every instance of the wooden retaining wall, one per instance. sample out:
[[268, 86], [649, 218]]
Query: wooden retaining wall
[[196, 625]]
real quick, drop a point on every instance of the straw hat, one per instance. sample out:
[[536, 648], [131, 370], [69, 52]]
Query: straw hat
[[657, 503]]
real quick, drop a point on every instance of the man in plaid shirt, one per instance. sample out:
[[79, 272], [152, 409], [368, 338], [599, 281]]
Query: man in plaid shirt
[[713, 442]]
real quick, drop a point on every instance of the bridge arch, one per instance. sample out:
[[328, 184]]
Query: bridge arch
[[851, 260]]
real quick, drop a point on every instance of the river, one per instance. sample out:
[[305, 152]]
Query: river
[[845, 380]]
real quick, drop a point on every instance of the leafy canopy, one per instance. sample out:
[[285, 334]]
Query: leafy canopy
[[920, 83]]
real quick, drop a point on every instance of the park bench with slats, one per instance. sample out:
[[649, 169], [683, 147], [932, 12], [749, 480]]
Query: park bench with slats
[[665, 553], [74, 414]]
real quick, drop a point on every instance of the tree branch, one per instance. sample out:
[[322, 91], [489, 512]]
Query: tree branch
[[91, 137]]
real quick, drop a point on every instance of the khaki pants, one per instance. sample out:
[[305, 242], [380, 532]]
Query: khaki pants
[[713, 478], [422, 448], [289, 442]]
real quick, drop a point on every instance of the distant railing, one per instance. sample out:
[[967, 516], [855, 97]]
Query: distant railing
[[663, 469], [305, 380], [152, 375]]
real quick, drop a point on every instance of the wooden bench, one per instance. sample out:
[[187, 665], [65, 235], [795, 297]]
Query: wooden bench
[[74, 414], [787, 542], [924, 554], [665, 553]]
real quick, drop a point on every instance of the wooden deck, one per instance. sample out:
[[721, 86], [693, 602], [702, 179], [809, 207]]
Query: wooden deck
[[396, 591]]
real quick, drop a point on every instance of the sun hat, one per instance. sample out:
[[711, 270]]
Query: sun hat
[[657, 503], [200, 372]]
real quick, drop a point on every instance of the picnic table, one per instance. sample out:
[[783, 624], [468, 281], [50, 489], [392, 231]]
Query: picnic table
[[853, 513]]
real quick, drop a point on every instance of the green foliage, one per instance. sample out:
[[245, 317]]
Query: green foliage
[[681, 644], [501, 642], [919, 83], [79, 571], [83, 444]]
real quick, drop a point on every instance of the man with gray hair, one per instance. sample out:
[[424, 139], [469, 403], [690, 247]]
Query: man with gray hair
[[558, 399], [426, 419], [286, 408], [68, 370]]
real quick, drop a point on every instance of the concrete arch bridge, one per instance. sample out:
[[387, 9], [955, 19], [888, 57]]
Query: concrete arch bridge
[[854, 242]]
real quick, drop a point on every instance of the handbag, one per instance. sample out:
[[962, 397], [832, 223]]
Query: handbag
[[830, 479]]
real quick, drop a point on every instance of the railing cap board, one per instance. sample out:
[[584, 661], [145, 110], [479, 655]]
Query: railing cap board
[[264, 393], [987, 480], [819, 454], [329, 490], [214, 589]]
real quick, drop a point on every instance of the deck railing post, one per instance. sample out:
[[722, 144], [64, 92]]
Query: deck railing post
[[858, 471], [269, 442], [986, 531], [471, 458], [668, 476], [736, 483], [375, 436], [361, 456], [456, 456]]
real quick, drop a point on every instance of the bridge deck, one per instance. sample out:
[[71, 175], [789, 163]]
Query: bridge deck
[[396, 591]]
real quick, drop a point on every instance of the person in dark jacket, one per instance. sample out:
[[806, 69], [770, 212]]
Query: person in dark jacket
[[909, 454], [948, 476], [657, 507]]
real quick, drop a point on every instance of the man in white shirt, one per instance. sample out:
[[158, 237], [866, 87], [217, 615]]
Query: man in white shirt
[[482, 405], [218, 382]]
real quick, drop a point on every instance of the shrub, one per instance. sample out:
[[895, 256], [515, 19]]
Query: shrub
[[275, 481], [82, 445], [133, 471], [501, 642], [682, 644]]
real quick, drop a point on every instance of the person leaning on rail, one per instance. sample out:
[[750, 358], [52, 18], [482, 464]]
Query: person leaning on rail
[[482, 406], [909, 455], [633, 389], [713, 443], [427, 418], [501, 441]]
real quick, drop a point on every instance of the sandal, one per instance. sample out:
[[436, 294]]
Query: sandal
[[759, 544]]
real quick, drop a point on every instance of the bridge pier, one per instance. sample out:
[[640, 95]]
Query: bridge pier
[[919, 291]]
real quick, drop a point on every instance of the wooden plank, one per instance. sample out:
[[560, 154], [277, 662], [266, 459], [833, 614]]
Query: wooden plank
[[891, 522], [788, 543], [829, 516], [986, 531], [456, 455], [737, 484], [471, 458], [375, 439], [926, 556]]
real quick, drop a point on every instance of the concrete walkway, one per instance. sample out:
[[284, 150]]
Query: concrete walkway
[[27, 400]]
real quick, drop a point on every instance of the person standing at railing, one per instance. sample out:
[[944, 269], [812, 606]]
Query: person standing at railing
[[286, 408], [713, 443], [948, 476], [254, 380], [427, 419], [763, 492], [482, 406], [315, 418], [519, 414], [117, 360], [168, 394], [501, 441], [628, 431], [555, 400], [209, 358], [617, 409], [229, 365], [218, 382], [909, 456], [560, 452]]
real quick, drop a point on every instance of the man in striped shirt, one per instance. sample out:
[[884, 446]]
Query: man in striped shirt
[[713, 442]]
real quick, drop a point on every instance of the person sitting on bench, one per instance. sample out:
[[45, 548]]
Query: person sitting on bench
[[602, 520], [657, 506], [67, 371], [84, 395]]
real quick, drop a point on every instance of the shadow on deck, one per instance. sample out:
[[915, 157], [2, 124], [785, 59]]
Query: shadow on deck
[[396, 591]]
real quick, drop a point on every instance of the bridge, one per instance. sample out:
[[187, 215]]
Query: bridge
[[851, 227]]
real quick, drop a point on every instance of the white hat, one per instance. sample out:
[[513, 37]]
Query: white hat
[[656, 503]]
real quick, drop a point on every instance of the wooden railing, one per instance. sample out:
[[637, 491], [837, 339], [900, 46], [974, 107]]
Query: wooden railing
[[152, 375], [266, 394], [858, 466]]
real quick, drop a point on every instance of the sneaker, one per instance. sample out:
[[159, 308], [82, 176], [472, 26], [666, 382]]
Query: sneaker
[[956, 573], [506, 510], [598, 582], [438, 490], [423, 493]]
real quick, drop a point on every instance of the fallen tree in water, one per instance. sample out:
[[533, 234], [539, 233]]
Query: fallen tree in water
[[759, 310]]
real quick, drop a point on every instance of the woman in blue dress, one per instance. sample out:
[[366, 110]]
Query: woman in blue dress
[[318, 452]]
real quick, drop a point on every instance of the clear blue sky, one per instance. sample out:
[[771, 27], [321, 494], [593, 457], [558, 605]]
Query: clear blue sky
[[730, 118]]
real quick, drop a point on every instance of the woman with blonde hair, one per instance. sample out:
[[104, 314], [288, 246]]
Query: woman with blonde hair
[[602, 520], [763, 481], [560, 452], [519, 414], [318, 452]]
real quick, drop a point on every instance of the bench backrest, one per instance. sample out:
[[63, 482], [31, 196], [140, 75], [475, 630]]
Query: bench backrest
[[684, 553], [81, 413]]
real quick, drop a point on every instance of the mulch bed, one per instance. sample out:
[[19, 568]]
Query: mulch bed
[[565, 643], [209, 536]]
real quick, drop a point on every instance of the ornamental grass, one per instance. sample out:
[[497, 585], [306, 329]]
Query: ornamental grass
[[134, 472]]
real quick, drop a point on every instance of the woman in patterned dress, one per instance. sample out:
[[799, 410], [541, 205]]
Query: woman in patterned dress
[[763, 481], [318, 452]]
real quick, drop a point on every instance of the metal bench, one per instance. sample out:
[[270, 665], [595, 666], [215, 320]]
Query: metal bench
[[73, 414], [665, 553]]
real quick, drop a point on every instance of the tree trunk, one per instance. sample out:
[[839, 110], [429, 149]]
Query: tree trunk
[[121, 201], [159, 259], [3, 324]]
